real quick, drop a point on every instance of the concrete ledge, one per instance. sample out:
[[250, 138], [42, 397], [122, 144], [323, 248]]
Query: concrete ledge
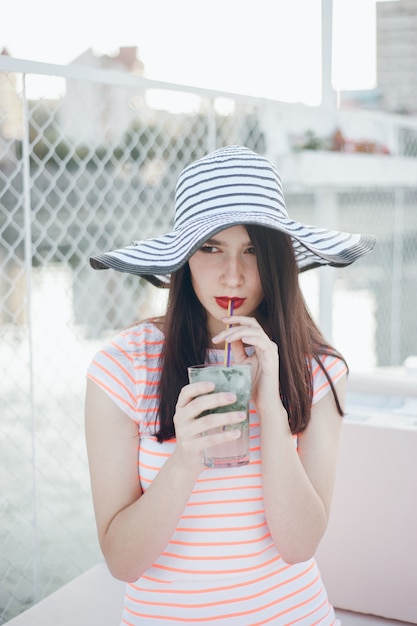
[[340, 169], [93, 598], [348, 618], [368, 556]]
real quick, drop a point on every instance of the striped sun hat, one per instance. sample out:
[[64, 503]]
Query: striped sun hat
[[226, 188]]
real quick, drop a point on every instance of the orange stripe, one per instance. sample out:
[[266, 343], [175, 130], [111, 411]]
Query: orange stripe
[[143, 331], [336, 377], [274, 617], [149, 410], [110, 390], [151, 468], [222, 515], [145, 328], [144, 381], [318, 608], [145, 366], [183, 557], [115, 378], [145, 354], [210, 502], [238, 477], [224, 489], [120, 349], [203, 544], [158, 454], [244, 583], [327, 383], [242, 570], [222, 530]]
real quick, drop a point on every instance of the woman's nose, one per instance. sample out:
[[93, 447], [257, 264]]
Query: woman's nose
[[232, 272]]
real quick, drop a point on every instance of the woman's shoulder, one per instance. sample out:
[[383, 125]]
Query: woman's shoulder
[[140, 339], [123, 366], [328, 361], [329, 364], [145, 332], [326, 369]]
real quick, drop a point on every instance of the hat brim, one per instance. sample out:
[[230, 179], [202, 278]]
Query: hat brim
[[155, 259]]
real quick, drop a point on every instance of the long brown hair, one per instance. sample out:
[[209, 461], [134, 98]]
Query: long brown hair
[[284, 317]]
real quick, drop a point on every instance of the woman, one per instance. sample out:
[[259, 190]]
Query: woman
[[233, 545]]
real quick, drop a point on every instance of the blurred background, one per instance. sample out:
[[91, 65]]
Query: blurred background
[[99, 112]]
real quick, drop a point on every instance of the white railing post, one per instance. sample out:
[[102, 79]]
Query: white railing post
[[328, 99], [28, 275], [326, 211], [396, 283]]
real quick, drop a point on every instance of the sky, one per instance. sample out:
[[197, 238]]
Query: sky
[[265, 48]]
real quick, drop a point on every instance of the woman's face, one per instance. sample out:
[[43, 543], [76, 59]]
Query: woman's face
[[225, 268]]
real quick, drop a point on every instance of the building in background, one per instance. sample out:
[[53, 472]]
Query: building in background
[[397, 55], [98, 113], [11, 109]]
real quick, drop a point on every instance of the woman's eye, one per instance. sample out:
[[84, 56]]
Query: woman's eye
[[206, 248], [251, 250]]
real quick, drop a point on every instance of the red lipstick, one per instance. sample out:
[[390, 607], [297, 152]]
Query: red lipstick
[[223, 302]]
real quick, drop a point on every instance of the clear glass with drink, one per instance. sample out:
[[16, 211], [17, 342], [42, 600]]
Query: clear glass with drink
[[236, 379]]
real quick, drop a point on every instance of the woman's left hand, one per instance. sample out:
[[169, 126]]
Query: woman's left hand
[[264, 361]]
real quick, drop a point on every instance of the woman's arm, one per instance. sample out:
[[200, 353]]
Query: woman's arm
[[297, 485], [134, 527]]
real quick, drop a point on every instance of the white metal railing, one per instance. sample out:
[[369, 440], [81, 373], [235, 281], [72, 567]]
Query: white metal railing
[[397, 133], [385, 383]]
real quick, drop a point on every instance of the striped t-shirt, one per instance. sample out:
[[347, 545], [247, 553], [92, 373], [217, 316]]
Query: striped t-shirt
[[221, 564]]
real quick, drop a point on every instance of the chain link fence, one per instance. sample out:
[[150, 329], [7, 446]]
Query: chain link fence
[[89, 170]]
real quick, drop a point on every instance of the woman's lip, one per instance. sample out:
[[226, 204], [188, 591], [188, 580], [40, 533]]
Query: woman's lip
[[223, 302]]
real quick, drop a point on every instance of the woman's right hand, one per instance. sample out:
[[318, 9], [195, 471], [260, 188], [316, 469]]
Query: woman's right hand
[[194, 433], [121, 507]]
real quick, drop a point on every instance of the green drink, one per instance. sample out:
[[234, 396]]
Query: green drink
[[237, 379]]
